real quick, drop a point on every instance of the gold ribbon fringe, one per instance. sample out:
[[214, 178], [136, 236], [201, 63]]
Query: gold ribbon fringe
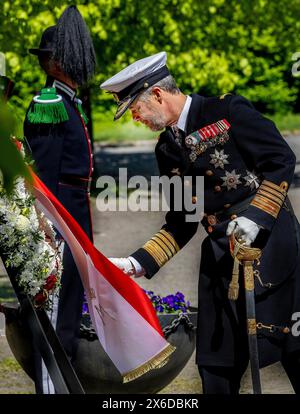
[[155, 362]]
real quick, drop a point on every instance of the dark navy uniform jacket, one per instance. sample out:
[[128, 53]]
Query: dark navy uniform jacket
[[251, 161], [63, 160], [62, 152]]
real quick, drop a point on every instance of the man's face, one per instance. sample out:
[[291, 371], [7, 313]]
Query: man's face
[[150, 113]]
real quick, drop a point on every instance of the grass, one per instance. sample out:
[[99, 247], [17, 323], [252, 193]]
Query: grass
[[13, 378], [9, 364], [286, 123], [107, 130]]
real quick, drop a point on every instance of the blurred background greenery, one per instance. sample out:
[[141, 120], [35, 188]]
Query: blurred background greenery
[[213, 46]]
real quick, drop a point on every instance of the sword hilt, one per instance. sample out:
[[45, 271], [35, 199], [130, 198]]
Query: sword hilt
[[246, 256]]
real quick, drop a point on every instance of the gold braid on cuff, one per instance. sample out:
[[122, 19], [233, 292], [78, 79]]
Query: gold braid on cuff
[[270, 197], [162, 247]]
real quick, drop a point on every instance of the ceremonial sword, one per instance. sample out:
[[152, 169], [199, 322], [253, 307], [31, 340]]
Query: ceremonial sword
[[246, 256]]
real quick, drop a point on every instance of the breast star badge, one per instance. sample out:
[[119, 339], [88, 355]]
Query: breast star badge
[[219, 159], [252, 180], [231, 180]]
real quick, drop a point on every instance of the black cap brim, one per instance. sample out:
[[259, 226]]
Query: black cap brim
[[123, 106], [37, 51]]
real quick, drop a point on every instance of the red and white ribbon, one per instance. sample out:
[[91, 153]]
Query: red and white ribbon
[[122, 314]]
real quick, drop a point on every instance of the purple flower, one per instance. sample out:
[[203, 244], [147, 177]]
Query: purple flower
[[167, 304], [180, 296], [85, 308], [155, 299], [170, 303], [150, 293]]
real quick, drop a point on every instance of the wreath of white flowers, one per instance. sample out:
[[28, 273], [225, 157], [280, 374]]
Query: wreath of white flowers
[[28, 241]]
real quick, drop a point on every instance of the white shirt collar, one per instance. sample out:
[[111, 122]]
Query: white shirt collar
[[181, 123], [65, 88]]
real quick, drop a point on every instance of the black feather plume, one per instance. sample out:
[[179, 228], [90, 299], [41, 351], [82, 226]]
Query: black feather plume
[[74, 48]]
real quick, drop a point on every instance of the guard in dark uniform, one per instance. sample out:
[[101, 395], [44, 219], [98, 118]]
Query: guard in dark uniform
[[56, 130], [247, 168]]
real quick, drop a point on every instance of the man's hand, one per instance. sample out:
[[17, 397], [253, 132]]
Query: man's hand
[[244, 229], [130, 267]]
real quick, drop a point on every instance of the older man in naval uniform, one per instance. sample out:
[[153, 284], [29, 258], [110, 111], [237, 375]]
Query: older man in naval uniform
[[247, 168]]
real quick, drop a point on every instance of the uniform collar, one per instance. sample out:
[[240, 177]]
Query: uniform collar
[[61, 86], [181, 123]]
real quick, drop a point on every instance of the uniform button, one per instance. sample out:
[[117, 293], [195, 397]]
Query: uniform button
[[209, 173], [233, 216], [218, 188], [227, 205], [194, 200]]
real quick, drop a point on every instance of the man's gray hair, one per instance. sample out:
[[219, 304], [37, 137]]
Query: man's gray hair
[[167, 84]]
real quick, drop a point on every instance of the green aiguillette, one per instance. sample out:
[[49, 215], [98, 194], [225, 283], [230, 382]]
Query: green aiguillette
[[80, 110]]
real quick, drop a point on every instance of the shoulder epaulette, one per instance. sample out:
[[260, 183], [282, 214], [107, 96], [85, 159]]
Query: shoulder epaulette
[[225, 94], [47, 108]]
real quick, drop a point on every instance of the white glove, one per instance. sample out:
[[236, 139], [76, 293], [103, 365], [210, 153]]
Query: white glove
[[244, 229], [130, 267]]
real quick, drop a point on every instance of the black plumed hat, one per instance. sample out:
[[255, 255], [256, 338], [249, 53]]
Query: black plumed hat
[[69, 43], [47, 42]]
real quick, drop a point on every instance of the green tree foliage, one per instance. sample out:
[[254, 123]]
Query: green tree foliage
[[11, 161], [214, 46]]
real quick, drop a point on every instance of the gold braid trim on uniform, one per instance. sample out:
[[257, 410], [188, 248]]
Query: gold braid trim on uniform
[[170, 238], [162, 247], [270, 197], [156, 252]]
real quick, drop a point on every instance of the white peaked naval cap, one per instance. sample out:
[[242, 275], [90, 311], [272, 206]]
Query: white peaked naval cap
[[134, 79]]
